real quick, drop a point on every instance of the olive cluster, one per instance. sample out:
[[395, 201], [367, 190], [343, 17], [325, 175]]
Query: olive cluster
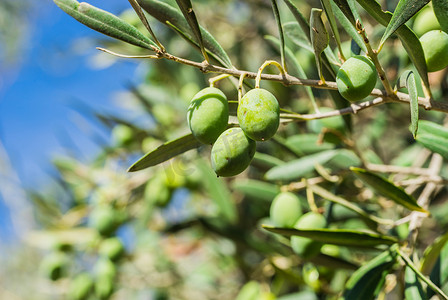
[[105, 220], [233, 148]]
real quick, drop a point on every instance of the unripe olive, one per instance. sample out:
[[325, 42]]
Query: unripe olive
[[112, 248], [232, 152], [425, 21], [80, 287], [435, 47], [122, 134], [259, 114], [104, 288], [285, 210], [104, 219], [305, 247], [208, 114], [54, 265], [356, 78], [105, 268]]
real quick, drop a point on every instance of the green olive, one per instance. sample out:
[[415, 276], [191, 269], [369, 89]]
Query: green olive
[[104, 219], [259, 114], [54, 265], [111, 248], [435, 47], [305, 247], [122, 135], [232, 152], [80, 287], [208, 114], [104, 288], [425, 21], [104, 267], [356, 78], [285, 209]]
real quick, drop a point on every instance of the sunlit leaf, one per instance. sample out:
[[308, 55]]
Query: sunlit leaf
[[319, 37], [413, 288], [294, 33], [387, 189], [105, 22], [432, 253], [166, 152], [405, 10], [407, 80], [341, 237]]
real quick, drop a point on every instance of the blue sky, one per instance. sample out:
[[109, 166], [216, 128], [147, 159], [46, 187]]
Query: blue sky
[[39, 95]]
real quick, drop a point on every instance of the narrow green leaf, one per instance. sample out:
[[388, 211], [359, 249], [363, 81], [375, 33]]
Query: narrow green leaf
[[280, 33], [218, 191], [256, 189], [319, 37], [295, 169], [425, 279], [441, 11], [431, 128], [408, 38], [105, 23], [307, 143], [407, 80], [341, 237], [294, 33], [167, 15], [299, 18], [437, 144], [387, 189], [331, 19], [166, 152], [432, 253], [405, 10], [348, 26], [349, 11], [187, 10], [413, 288], [368, 280]]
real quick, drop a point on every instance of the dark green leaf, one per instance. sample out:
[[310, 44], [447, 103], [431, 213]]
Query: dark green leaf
[[402, 13], [413, 287], [299, 18], [294, 33], [319, 37], [331, 19], [407, 80], [167, 15], [280, 32], [387, 189], [297, 168], [348, 26], [348, 10], [166, 152], [432, 253], [368, 280], [341, 237], [441, 11], [408, 38], [105, 22], [218, 191], [187, 10]]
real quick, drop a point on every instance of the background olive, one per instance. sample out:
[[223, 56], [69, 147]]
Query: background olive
[[259, 114], [112, 248], [305, 247], [80, 287], [104, 219], [285, 210], [232, 152], [356, 78], [208, 114], [435, 47], [54, 265]]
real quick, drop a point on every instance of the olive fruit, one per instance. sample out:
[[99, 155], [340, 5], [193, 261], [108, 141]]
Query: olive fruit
[[435, 47], [54, 265], [104, 288], [285, 210], [122, 135], [305, 247], [80, 287], [425, 21], [356, 78], [208, 114], [259, 114], [111, 248], [232, 152], [104, 267], [104, 219]]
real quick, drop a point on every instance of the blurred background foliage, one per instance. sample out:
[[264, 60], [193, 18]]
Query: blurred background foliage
[[187, 234]]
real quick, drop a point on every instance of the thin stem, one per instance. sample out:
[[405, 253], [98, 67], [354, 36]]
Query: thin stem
[[263, 66], [127, 56], [374, 56], [240, 86], [215, 79]]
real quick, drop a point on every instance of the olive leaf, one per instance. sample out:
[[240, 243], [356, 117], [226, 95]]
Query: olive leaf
[[319, 38], [405, 10], [280, 32], [441, 11], [432, 253], [173, 18], [407, 80], [433, 137], [295, 34], [413, 289], [165, 152], [105, 22], [366, 282], [328, 8], [387, 189], [341, 237], [299, 18], [256, 189]]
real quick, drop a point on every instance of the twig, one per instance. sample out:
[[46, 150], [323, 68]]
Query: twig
[[398, 169]]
